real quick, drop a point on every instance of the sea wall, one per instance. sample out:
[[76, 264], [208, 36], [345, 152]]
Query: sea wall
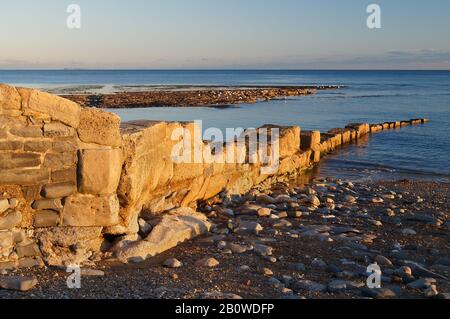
[[72, 178]]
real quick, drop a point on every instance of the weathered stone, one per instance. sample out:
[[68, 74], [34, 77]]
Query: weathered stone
[[56, 108], [263, 250], [44, 204], [7, 265], [178, 226], [29, 262], [100, 171], [310, 140], [27, 131], [18, 283], [11, 145], [64, 146], [46, 218], [64, 175], [31, 250], [173, 263], [383, 261], [6, 239], [4, 205], [99, 127], [60, 190], [249, 227], [87, 272], [56, 129], [68, 236], [207, 262], [88, 211], [37, 145], [10, 160], [60, 161], [264, 212], [379, 293], [10, 220], [422, 283], [19, 177], [9, 98]]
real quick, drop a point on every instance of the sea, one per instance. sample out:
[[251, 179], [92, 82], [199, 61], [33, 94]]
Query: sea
[[416, 153]]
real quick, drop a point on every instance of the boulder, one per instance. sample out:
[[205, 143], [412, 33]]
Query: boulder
[[176, 227]]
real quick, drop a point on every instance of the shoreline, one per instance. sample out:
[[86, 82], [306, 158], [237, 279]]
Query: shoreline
[[302, 251], [194, 96]]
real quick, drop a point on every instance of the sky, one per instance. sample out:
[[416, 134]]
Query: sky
[[225, 34]]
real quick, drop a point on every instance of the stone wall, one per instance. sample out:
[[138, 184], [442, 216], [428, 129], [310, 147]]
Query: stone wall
[[71, 177]]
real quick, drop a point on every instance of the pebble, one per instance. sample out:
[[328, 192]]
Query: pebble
[[408, 232], [207, 262], [18, 283], [338, 286], [350, 199], [383, 261], [92, 272], [220, 296], [379, 293], [377, 200], [422, 283], [172, 263], [295, 214], [313, 200], [263, 250], [431, 292], [264, 212], [318, 264], [308, 285], [267, 272], [237, 249]]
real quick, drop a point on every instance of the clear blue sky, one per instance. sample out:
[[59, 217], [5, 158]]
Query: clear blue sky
[[415, 34]]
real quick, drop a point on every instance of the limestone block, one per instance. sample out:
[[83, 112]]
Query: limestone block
[[99, 127], [88, 211], [309, 139], [100, 171], [46, 218], [45, 204], [65, 175], [10, 145], [57, 108], [9, 98], [64, 146], [12, 160], [60, 161], [10, 219], [289, 141], [57, 129], [40, 146], [27, 131], [59, 190]]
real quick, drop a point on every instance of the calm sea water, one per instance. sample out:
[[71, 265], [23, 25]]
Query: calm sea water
[[419, 152]]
